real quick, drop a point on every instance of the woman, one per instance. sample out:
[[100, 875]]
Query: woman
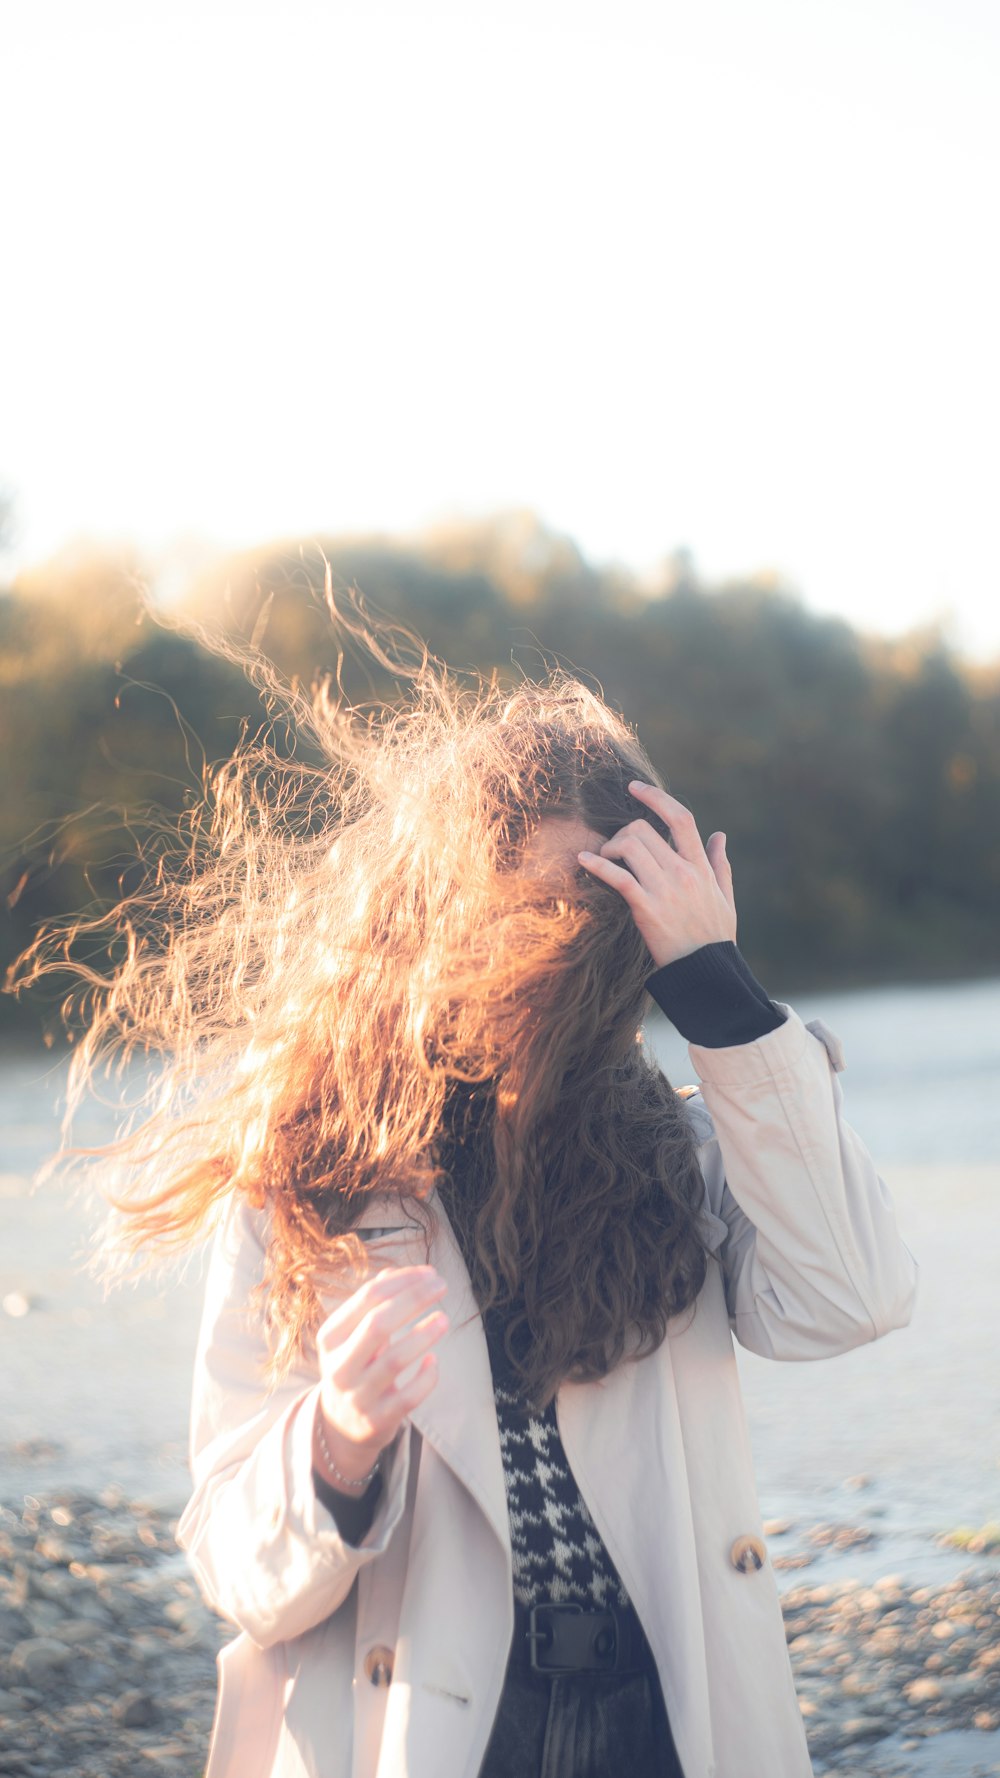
[[471, 1470]]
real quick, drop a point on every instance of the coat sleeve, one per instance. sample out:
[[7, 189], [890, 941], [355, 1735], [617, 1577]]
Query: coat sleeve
[[266, 1553], [802, 1225]]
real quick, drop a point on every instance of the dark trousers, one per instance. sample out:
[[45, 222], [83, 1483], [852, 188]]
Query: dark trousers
[[581, 1725]]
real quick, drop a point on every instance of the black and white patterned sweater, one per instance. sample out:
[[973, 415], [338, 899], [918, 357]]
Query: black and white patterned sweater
[[558, 1553], [713, 999]]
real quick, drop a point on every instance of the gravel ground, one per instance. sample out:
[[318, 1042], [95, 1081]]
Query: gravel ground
[[107, 1654]]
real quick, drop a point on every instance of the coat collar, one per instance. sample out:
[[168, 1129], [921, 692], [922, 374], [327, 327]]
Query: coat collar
[[458, 1417], [624, 1442]]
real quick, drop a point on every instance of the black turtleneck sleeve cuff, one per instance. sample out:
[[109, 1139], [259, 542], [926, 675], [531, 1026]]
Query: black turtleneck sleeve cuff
[[352, 1513], [713, 997]]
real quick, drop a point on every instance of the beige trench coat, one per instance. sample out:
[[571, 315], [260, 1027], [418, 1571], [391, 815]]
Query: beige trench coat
[[387, 1660]]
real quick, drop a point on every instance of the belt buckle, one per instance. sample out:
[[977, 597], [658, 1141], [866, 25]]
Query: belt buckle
[[536, 1633]]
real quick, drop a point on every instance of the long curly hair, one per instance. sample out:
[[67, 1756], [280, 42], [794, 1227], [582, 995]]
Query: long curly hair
[[330, 959]]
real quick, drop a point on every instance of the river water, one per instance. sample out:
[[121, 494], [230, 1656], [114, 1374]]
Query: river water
[[898, 1441]]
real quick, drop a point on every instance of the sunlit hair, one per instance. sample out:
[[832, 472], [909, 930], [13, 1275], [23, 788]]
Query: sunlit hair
[[335, 949]]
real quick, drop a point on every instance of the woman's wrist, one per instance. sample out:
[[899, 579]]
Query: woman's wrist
[[712, 997], [348, 1467]]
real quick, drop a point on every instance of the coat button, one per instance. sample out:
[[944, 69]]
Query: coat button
[[748, 1554], [378, 1664]]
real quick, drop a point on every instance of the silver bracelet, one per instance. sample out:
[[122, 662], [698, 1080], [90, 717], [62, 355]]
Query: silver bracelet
[[343, 1480]]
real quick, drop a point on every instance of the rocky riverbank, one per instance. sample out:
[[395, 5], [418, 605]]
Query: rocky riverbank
[[107, 1653], [890, 1660], [106, 1650]]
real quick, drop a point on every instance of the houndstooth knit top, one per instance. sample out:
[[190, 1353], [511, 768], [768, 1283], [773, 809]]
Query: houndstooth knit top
[[557, 1551]]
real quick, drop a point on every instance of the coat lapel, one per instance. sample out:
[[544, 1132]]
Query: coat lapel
[[458, 1418], [625, 1446]]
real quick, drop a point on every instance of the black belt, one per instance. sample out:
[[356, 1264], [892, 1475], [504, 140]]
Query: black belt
[[552, 1639]]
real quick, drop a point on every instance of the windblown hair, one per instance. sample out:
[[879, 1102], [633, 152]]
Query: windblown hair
[[334, 951]]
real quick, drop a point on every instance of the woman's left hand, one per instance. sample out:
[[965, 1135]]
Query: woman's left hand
[[679, 900]]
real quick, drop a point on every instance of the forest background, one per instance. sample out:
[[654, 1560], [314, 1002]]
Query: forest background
[[858, 778]]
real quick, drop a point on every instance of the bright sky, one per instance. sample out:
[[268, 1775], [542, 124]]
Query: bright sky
[[713, 273]]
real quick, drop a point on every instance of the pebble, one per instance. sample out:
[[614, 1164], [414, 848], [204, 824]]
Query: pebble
[[103, 1622], [135, 1710], [922, 1691], [861, 1728], [38, 1657]]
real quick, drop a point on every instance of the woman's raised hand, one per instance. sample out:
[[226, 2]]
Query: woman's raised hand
[[362, 1352], [679, 900]]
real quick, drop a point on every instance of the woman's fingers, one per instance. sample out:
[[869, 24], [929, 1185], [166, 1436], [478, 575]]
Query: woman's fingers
[[349, 1363], [718, 858], [393, 1294], [397, 1401], [396, 1357], [389, 1413], [674, 815], [679, 899], [624, 881], [368, 1347], [645, 853], [370, 1343], [367, 1422]]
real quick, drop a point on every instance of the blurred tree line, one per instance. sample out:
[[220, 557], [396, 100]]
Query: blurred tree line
[[858, 779]]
